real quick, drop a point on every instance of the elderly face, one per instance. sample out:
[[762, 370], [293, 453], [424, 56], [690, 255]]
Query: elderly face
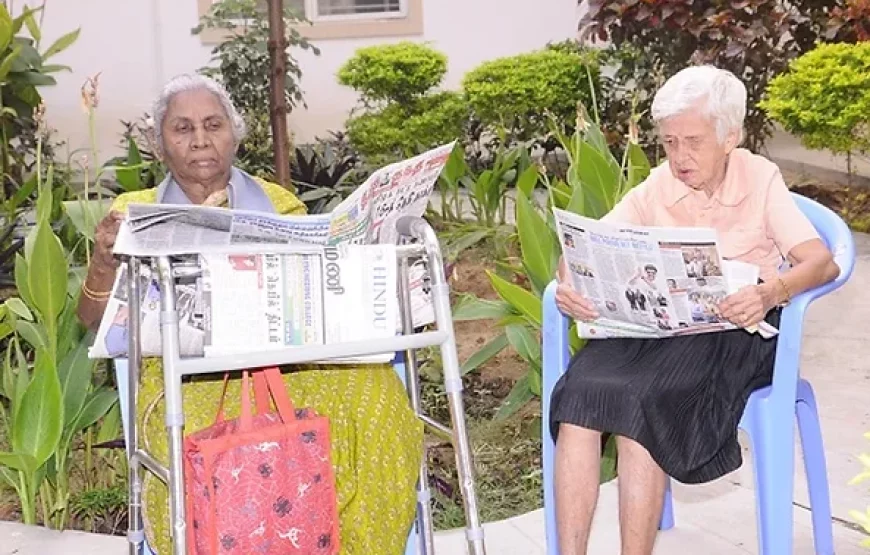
[[695, 154], [198, 144]]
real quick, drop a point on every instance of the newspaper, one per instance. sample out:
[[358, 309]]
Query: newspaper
[[651, 281], [205, 238], [237, 303]]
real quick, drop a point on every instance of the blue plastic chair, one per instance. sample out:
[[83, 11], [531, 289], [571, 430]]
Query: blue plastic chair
[[768, 418], [122, 381]]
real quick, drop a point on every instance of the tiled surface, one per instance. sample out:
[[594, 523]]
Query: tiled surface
[[714, 519]]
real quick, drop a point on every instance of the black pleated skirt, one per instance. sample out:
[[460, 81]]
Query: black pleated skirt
[[680, 397]]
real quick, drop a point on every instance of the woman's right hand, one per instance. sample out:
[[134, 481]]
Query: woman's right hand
[[104, 242], [569, 301]]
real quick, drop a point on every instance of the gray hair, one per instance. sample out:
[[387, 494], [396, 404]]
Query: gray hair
[[194, 82], [724, 94]]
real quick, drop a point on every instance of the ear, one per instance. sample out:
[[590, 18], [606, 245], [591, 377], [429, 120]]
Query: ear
[[733, 139]]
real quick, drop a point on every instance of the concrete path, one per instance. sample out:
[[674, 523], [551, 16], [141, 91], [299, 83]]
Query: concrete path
[[714, 519]]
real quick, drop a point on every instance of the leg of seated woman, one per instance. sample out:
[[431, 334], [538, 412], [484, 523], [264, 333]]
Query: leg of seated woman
[[376, 447], [641, 493], [577, 469]]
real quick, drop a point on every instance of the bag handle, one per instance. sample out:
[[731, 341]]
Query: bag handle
[[271, 382], [219, 417]]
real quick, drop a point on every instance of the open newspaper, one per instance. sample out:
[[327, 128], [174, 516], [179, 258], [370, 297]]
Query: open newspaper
[[207, 238], [651, 281]]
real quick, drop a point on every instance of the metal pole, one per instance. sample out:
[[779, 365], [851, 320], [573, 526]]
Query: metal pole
[[135, 533], [425, 529], [174, 407], [417, 227]]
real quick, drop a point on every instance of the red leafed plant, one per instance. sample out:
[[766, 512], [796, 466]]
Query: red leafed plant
[[755, 39], [850, 23]]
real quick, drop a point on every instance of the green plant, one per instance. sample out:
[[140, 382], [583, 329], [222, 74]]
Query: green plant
[[139, 168], [323, 176], [401, 115], [50, 404], [850, 21], [754, 39], [400, 72], [515, 92], [824, 98], [400, 130], [242, 65]]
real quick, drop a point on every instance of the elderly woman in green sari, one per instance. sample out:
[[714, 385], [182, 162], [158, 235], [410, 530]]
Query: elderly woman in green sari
[[376, 438]]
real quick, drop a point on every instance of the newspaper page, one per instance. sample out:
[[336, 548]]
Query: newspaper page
[[236, 303], [650, 281]]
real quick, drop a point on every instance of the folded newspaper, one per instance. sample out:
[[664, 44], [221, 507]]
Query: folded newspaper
[[301, 255], [651, 281]]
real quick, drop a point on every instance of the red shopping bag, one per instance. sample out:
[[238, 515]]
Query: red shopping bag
[[261, 483]]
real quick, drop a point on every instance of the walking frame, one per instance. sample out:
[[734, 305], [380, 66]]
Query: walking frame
[[416, 238]]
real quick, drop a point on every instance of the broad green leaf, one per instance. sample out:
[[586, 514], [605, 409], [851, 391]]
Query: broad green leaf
[[35, 78], [536, 380], [540, 249], [32, 25], [19, 308], [21, 280], [54, 68], [110, 427], [6, 30], [96, 406], [470, 307], [527, 181], [485, 353], [23, 192], [37, 426], [86, 214], [22, 374], [466, 241], [638, 167], [524, 343], [9, 61], [47, 278], [61, 44], [69, 330], [5, 330], [18, 461], [516, 399], [74, 373], [45, 198], [523, 301], [11, 478], [598, 179], [33, 333]]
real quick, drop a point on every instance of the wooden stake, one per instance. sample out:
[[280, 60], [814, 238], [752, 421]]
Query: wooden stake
[[277, 100]]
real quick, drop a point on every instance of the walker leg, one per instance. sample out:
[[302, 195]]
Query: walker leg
[[135, 531], [425, 536], [174, 409]]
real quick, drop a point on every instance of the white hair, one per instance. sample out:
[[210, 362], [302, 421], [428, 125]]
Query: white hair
[[723, 93], [194, 82]]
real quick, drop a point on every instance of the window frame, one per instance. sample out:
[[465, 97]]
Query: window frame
[[311, 13]]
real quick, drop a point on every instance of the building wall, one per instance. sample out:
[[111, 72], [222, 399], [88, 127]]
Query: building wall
[[136, 45]]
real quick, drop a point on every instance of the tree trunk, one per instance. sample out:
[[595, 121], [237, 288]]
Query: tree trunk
[[277, 99]]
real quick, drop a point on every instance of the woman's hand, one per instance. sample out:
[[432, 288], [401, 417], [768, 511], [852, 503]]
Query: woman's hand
[[104, 242], [746, 307], [569, 301]]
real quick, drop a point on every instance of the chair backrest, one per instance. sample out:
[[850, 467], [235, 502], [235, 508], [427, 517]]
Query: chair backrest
[[835, 234]]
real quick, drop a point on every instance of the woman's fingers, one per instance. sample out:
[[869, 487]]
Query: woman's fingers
[[574, 304]]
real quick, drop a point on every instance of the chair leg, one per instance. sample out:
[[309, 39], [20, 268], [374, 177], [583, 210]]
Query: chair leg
[[816, 469], [772, 436], [667, 521], [548, 456]]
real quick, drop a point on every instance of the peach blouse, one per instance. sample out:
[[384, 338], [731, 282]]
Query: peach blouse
[[757, 219]]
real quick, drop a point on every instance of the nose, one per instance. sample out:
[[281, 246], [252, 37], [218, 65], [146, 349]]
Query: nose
[[200, 138]]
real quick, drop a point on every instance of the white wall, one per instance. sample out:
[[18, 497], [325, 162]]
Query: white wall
[[138, 44]]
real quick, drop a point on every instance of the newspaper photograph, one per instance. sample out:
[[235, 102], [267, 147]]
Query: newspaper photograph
[[651, 282], [229, 303]]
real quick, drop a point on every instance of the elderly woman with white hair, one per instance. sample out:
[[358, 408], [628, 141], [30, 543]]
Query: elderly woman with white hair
[[674, 404], [376, 439]]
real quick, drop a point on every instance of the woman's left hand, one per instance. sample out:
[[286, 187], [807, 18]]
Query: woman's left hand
[[746, 307]]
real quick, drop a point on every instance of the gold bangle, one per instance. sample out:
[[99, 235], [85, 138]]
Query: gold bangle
[[785, 288], [95, 295]]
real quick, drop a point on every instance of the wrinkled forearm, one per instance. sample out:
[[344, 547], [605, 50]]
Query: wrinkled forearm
[[90, 311]]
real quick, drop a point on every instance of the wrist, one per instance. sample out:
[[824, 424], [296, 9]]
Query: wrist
[[771, 294]]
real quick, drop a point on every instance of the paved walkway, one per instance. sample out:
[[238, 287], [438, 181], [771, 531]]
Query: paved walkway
[[719, 516]]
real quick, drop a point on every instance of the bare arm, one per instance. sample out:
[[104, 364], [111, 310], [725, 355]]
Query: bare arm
[[101, 273]]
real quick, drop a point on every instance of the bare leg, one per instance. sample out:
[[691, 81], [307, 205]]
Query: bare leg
[[578, 458], [641, 494]]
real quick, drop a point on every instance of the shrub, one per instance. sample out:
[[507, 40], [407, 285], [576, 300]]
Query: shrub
[[754, 39], [401, 115], [405, 129], [397, 72], [824, 98], [515, 92]]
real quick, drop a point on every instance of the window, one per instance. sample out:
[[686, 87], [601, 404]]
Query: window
[[342, 19]]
